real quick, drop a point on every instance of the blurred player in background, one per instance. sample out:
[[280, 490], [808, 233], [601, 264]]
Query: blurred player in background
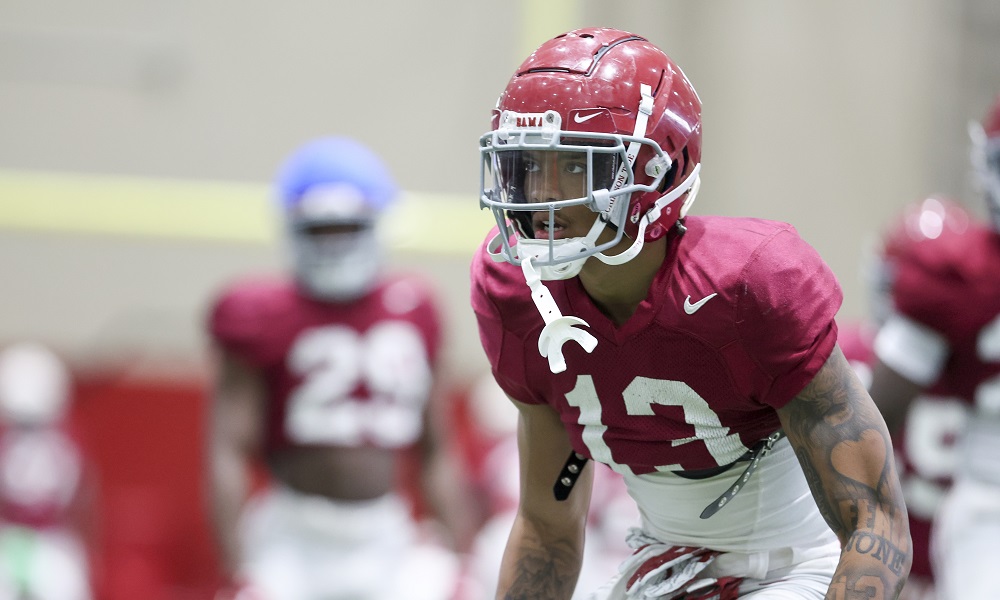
[[924, 442], [327, 377], [46, 493], [943, 338]]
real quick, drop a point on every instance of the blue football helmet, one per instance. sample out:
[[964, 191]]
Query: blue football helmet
[[332, 192]]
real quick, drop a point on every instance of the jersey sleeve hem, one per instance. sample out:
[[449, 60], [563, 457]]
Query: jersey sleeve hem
[[783, 392]]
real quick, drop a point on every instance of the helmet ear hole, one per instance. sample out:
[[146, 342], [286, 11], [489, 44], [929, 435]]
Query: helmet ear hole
[[657, 164], [671, 177]]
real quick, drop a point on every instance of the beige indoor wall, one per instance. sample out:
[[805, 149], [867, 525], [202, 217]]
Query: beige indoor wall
[[828, 115]]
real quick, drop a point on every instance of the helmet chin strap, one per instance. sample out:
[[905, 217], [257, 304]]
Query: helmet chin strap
[[558, 329]]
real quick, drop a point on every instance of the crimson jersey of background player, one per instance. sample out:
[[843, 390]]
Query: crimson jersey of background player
[[946, 296], [925, 441], [374, 356], [696, 356], [326, 377]]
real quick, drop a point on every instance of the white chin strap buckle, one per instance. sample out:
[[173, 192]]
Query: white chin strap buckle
[[558, 329]]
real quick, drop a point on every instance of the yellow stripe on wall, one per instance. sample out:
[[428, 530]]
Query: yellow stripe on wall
[[104, 205], [212, 211]]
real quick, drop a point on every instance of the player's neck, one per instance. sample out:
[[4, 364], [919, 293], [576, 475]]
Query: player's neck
[[618, 290]]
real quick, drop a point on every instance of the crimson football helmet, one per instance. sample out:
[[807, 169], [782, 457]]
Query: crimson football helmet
[[922, 220], [332, 191], [623, 115], [986, 158]]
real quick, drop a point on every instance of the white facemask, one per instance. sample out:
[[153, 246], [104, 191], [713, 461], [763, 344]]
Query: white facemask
[[337, 267]]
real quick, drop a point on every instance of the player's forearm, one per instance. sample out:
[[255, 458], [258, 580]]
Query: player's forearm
[[864, 505], [870, 520], [872, 565], [846, 455], [228, 487], [537, 567]]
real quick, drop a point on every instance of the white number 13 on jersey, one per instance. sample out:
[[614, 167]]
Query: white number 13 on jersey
[[639, 397]]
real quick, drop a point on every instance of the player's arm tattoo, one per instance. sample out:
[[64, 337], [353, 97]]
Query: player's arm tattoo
[[545, 572], [846, 454]]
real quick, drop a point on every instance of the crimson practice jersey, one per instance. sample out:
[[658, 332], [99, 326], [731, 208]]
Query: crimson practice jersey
[[337, 374], [951, 284], [738, 320]]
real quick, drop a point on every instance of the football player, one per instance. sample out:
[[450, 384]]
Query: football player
[[924, 444], [326, 379], [46, 488], [696, 356], [944, 338]]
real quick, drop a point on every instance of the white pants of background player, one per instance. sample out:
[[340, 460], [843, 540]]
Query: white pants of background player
[[43, 564], [300, 547], [965, 542]]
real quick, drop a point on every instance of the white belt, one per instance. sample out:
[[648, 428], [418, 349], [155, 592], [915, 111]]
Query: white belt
[[756, 565]]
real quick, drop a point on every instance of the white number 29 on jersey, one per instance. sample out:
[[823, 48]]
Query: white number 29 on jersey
[[390, 359]]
